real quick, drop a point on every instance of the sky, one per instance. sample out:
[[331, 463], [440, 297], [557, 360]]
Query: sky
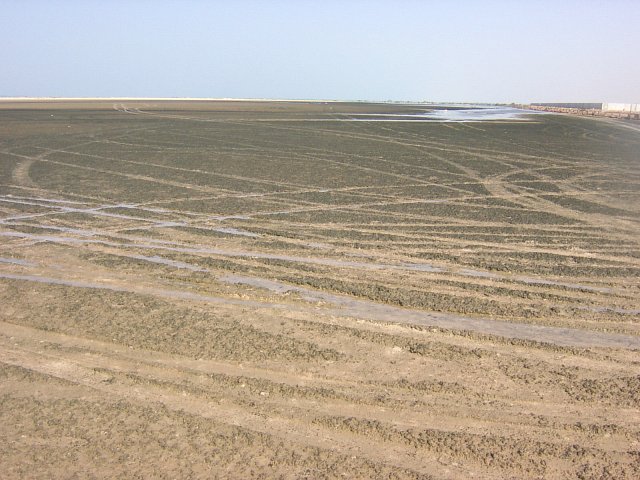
[[402, 50]]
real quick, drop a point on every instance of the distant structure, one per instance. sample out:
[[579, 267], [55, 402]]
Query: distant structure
[[580, 106], [621, 107], [629, 111]]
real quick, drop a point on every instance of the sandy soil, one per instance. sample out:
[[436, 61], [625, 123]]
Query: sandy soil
[[233, 292]]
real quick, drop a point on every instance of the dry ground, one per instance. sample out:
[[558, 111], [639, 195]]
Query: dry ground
[[268, 290]]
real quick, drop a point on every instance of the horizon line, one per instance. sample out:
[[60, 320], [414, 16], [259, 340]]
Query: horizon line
[[249, 99], [293, 100]]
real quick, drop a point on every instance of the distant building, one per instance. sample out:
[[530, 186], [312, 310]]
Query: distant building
[[629, 111], [621, 107], [581, 106]]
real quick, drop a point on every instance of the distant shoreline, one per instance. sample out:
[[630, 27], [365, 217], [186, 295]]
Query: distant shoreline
[[229, 99], [157, 99]]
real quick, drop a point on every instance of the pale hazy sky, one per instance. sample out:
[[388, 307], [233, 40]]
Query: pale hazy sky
[[483, 51]]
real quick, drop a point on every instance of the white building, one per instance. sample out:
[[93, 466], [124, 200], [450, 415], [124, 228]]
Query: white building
[[621, 107]]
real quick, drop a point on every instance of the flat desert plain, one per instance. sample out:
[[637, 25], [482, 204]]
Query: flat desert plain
[[316, 290]]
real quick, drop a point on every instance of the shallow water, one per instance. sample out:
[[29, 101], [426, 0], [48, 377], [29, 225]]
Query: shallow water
[[422, 267], [472, 114], [340, 305], [478, 114], [228, 217], [173, 247], [168, 224], [236, 231], [349, 306], [419, 267], [168, 262], [17, 261], [346, 306]]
